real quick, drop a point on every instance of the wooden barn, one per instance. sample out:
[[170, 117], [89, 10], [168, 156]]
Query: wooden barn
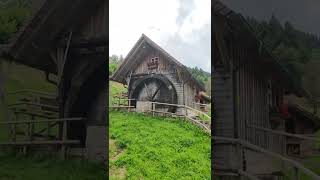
[[152, 74], [68, 41], [249, 83]]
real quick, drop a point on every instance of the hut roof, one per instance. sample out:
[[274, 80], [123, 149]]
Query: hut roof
[[238, 24], [307, 116], [140, 49], [34, 41]]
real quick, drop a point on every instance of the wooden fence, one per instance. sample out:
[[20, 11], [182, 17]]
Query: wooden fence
[[29, 134], [195, 116], [245, 144]]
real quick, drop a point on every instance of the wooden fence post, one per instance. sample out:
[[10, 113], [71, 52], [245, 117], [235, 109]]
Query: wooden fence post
[[186, 112], [153, 108], [296, 173], [26, 137], [48, 130], [64, 138], [129, 108]]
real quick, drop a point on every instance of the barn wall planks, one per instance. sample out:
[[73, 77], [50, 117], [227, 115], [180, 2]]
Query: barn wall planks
[[185, 89], [249, 106], [97, 25]]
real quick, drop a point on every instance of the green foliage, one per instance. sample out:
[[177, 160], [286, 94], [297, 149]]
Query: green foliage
[[202, 76], [114, 62], [160, 148], [115, 88], [11, 19], [292, 46]]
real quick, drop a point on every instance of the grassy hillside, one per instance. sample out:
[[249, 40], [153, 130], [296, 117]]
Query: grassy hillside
[[18, 76], [145, 147]]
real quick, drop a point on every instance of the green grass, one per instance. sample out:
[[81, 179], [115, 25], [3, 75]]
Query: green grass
[[158, 148], [39, 168]]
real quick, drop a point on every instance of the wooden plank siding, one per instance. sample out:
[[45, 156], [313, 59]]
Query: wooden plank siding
[[97, 26], [240, 97], [186, 90]]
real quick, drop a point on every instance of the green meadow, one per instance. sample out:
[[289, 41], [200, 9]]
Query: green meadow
[[146, 147]]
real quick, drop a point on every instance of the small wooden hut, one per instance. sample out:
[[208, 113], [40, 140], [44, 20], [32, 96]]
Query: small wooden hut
[[305, 123], [248, 84], [152, 74]]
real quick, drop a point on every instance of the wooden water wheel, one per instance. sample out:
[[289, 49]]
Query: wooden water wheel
[[155, 88]]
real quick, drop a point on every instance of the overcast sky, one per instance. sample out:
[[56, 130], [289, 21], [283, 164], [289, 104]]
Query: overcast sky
[[303, 14], [181, 27]]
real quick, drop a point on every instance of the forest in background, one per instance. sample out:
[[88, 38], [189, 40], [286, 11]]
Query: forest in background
[[297, 50], [12, 16]]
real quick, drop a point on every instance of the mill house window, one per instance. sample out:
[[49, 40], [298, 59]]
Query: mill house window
[[153, 63]]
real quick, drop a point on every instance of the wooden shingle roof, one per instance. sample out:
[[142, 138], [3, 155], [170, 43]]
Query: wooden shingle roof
[[140, 48]]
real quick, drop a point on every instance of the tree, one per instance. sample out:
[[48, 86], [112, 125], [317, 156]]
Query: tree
[[11, 19]]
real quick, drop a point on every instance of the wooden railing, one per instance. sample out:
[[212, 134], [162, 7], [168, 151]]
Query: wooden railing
[[297, 166], [204, 123], [186, 112], [33, 103], [34, 92], [28, 139], [123, 104]]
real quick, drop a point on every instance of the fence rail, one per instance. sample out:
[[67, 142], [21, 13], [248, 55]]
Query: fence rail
[[26, 91], [285, 133], [185, 114], [295, 164], [29, 133]]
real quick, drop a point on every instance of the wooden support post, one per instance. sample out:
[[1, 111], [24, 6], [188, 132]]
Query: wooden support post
[[27, 136], [13, 132], [296, 173], [64, 138], [31, 129], [129, 105], [153, 108], [186, 112], [48, 130]]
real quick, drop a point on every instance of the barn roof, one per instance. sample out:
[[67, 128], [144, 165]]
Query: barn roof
[[235, 21], [33, 43], [140, 49], [306, 115]]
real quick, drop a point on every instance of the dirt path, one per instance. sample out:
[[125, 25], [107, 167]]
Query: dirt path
[[115, 172]]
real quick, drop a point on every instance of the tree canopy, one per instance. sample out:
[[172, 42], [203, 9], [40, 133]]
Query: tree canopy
[[292, 46], [12, 16]]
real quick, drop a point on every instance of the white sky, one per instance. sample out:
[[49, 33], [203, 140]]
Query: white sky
[[181, 27]]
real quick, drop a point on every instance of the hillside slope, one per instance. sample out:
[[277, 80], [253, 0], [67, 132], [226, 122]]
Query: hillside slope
[[146, 147]]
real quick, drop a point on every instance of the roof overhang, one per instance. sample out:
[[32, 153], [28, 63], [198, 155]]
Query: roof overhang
[[33, 44], [139, 50], [240, 28]]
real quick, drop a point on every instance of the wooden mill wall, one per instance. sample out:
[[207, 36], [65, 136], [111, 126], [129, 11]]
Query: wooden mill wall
[[223, 154], [241, 101], [97, 26], [171, 71]]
